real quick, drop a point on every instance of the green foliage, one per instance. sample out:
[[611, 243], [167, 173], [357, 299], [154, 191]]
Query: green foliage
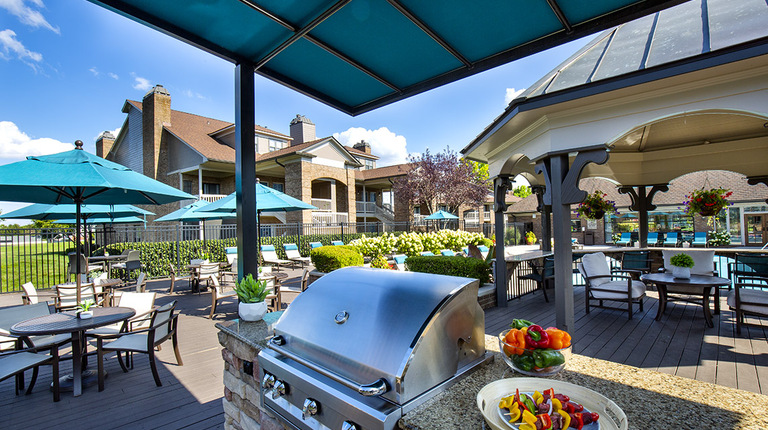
[[530, 237], [409, 244], [374, 246], [681, 260], [452, 266], [380, 262], [512, 236], [86, 305], [719, 238], [522, 191], [250, 290], [594, 204], [326, 259]]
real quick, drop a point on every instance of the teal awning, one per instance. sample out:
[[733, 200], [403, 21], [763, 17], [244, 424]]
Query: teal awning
[[357, 55]]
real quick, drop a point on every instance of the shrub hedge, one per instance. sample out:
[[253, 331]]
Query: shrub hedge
[[452, 266], [329, 258]]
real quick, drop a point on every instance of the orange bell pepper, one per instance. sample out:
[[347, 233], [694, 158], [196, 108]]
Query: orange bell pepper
[[516, 341], [558, 339]]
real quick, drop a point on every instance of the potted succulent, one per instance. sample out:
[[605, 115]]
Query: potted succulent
[[681, 265], [84, 309], [595, 206], [707, 202], [530, 238], [251, 293]]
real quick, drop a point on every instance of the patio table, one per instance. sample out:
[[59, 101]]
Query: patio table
[[68, 322], [696, 285], [108, 260]]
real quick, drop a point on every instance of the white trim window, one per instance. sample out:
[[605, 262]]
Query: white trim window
[[274, 145]]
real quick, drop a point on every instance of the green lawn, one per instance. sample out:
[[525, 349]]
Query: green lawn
[[43, 264]]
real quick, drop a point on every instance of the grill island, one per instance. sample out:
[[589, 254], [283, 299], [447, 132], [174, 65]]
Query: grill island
[[361, 347]]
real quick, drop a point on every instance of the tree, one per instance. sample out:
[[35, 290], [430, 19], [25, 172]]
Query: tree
[[441, 178], [522, 191]]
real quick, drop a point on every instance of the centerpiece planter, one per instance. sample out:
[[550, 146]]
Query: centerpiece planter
[[252, 311], [251, 293], [707, 203], [681, 265], [595, 206]]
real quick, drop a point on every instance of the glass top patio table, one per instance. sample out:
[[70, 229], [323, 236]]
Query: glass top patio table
[[696, 285]]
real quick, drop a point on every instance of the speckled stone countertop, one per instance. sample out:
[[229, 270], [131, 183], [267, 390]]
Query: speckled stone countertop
[[254, 333], [650, 399]]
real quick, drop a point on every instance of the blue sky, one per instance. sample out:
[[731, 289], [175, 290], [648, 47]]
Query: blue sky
[[67, 67]]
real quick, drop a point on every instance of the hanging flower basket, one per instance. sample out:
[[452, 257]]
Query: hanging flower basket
[[595, 206], [707, 202]]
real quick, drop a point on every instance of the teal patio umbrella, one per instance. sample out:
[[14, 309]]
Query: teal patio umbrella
[[441, 215], [80, 177], [190, 212], [105, 220]]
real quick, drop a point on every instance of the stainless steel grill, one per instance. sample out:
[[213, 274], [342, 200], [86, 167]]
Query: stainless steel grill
[[361, 347]]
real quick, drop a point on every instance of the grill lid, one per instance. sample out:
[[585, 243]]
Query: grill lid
[[364, 323]]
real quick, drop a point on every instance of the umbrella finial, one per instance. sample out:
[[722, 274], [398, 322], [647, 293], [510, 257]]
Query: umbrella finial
[[79, 144], [258, 180]]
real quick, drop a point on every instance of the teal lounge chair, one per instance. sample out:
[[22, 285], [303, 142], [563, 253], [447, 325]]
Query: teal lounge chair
[[671, 239], [427, 254], [626, 239], [400, 261], [447, 253], [336, 242], [313, 245], [653, 238], [699, 238]]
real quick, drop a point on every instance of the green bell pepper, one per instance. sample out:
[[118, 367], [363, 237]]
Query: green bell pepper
[[523, 362], [518, 323], [547, 357]]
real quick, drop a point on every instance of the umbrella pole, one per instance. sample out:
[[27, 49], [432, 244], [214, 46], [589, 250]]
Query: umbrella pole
[[258, 240], [78, 283]]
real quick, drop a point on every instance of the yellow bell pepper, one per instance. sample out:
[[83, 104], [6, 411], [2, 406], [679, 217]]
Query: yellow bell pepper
[[556, 405], [537, 397], [529, 418], [514, 413], [526, 426], [506, 402], [566, 419]]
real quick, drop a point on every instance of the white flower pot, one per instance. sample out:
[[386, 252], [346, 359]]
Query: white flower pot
[[85, 315], [681, 272], [252, 311]]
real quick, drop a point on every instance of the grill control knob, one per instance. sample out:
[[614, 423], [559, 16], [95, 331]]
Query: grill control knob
[[349, 425], [279, 389], [268, 381], [310, 408]]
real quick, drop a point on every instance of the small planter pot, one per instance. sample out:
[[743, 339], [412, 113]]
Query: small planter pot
[[681, 272], [252, 311], [85, 315]]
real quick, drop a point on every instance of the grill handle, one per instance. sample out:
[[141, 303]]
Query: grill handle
[[376, 388]]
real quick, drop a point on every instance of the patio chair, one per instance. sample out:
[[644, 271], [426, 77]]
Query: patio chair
[[400, 261], [750, 292], [653, 238], [427, 254], [231, 254], [304, 280], [337, 242], [206, 272], [142, 303], [220, 291], [447, 253], [703, 261], [483, 251], [541, 275], [132, 262], [269, 255], [31, 296], [699, 239], [13, 314], [671, 239], [139, 286], [313, 245], [625, 240], [602, 286], [15, 363], [85, 268], [66, 296], [162, 326], [636, 263], [180, 276], [292, 253]]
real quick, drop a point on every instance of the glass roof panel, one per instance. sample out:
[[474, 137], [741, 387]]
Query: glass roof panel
[[305, 62], [383, 40], [731, 23], [627, 49], [578, 11], [579, 71], [678, 34], [479, 30]]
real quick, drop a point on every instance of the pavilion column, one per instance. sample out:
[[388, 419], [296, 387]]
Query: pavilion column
[[642, 204], [501, 184], [544, 211], [562, 191], [245, 170]]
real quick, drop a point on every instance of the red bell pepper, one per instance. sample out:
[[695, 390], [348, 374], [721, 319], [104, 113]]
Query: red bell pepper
[[545, 420], [536, 337], [576, 421]]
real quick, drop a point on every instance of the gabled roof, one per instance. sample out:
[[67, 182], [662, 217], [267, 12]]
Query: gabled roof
[[307, 146], [384, 172]]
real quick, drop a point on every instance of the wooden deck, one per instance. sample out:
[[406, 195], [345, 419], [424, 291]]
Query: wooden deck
[[191, 394]]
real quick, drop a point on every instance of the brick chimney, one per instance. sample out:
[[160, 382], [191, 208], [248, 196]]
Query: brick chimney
[[156, 110], [363, 146], [302, 130], [104, 144]]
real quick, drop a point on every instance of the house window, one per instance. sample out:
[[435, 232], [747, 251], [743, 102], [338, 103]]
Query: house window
[[278, 186], [369, 164], [417, 210], [211, 188], [274, 145], [186, 186]]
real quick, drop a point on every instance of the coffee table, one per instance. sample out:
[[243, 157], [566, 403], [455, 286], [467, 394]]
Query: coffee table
[[68, 322], [696, 285]]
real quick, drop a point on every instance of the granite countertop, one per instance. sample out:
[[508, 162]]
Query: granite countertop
[[254, 333], [650, 399]]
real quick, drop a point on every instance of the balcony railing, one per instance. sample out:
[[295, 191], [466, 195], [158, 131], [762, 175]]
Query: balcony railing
[[366, 207], [325, 205], [329, 217], [210, 198]]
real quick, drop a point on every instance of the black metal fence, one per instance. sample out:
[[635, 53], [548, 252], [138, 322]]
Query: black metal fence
[[40, 255]]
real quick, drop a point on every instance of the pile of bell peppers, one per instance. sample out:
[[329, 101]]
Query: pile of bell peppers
[[546, 411], [532, 347]]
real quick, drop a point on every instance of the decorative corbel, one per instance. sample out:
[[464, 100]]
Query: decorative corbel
[[542, 168], [754, 180], [502, 184], [571, 192]]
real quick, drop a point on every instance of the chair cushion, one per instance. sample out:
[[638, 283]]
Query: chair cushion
[[596, 265], [399, 259], [638, 289], [752, 296], [703, 261], [291, 247], [131, 342]]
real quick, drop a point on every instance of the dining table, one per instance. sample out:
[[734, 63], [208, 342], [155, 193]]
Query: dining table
[[70, 322], [697, 285]]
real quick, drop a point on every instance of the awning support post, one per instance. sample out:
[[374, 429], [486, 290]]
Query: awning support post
[[245, 170], [500, 186]]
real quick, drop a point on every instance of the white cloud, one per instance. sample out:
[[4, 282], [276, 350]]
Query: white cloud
[[10, 45], [140, 83], [15, 144], [388, 146], [113, 75], [193, 95], [114, 132], [92, 69], [512, 94], [27, 15]]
